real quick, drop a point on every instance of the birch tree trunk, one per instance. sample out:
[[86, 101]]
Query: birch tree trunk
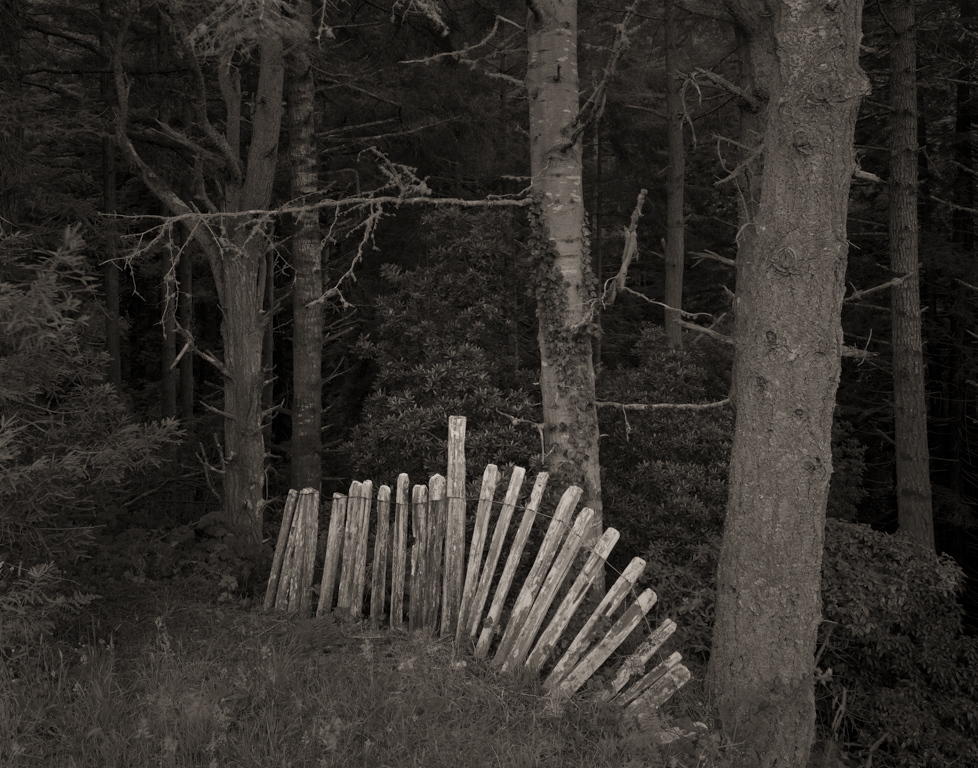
[[565, 285], [802, 64], [307, 339], [909, 397]]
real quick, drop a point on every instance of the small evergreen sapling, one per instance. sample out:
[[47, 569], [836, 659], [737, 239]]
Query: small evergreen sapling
[[67, 442]]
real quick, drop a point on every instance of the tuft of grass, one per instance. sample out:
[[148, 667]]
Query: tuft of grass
[[211, 686]]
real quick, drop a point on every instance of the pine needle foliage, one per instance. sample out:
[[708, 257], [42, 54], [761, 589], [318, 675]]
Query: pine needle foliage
[[67, 442]]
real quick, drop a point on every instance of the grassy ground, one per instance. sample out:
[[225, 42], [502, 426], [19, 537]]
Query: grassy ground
[[160, 680]]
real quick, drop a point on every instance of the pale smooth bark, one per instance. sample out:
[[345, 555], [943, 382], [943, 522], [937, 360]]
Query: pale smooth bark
[[565, 285]]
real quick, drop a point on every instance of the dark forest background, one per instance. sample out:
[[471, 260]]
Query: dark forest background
[[111, 445]]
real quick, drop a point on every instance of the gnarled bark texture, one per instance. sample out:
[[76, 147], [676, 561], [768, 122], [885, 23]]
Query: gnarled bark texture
[[801, 61]]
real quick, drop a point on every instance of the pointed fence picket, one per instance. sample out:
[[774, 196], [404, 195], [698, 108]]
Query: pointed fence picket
[[430, 581]]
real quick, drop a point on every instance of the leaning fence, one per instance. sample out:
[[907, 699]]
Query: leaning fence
[[420, 577]]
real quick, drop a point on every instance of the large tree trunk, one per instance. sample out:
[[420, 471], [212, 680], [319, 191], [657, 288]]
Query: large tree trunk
[[565, 284], [307, 339], [675, 183], [909, 398], [802, 64]]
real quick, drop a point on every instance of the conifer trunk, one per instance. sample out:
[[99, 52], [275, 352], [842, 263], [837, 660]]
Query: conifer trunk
[[565, 284], [675, 183], [243, 275], [802, 65], [307, 340], [237, 262], [186, 314], [909, 398]]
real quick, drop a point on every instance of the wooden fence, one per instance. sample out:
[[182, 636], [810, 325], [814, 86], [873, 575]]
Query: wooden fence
[[427, 579]]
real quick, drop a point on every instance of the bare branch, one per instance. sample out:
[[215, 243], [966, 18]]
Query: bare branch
[[721, 82], [629, 254], [594, 106], [892, 283], [742, 165], [714, 256], [462, 53], [711, 333], [682, 312], [664, 406]]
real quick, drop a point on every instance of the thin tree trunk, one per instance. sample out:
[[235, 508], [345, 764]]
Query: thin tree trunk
[[268, 345], [244, 274], [186, 316], [675, 183], [909, 397], [307, 339], [802, 65], [565, 284], [168, 302], [112, 345], [237, 263], [597, 259], [963, 218]]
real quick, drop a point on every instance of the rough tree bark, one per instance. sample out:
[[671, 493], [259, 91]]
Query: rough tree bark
[[565, 284], [801, 61], [909, 398], [234, 245], [307, 340], [675, 183]]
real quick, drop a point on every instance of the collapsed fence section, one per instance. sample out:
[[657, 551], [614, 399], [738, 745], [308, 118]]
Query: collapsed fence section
[[420, 575]]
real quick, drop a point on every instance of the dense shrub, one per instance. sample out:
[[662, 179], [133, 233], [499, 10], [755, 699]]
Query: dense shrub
[[67, 443], [896, 665], [665, 476], [450, 339]]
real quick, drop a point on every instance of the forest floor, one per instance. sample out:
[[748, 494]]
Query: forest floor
[[155, 678]]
